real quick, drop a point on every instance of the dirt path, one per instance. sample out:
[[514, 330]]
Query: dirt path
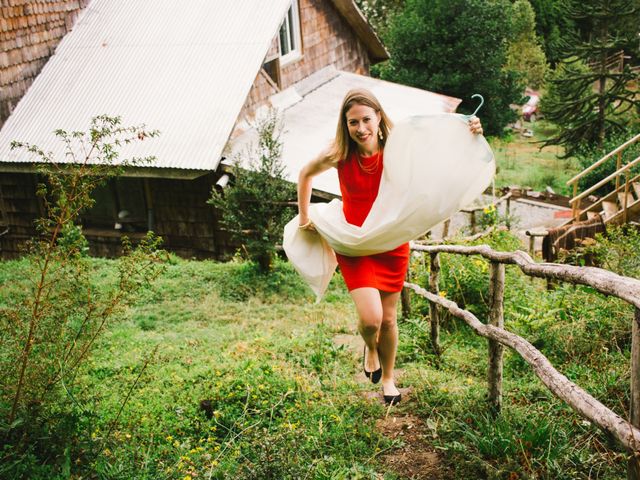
[[414, 457]]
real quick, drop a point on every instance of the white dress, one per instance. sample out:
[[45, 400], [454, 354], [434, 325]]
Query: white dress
[[433, 167]]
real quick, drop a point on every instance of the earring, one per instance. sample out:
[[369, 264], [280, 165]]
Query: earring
[[380, 136]]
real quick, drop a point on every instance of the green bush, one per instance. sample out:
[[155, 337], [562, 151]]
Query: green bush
[[258, 204], [525, 55], [464, 279], [618, 250]]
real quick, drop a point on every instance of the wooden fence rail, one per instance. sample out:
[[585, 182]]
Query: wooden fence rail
[[608, 283]]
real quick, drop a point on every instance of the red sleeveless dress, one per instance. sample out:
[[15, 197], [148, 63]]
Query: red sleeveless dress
[[359, 187]]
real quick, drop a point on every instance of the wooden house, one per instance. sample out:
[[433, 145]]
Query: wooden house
[[198, 72]]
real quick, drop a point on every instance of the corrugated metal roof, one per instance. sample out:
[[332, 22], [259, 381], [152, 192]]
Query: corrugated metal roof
[[184, 68], [310, 124]]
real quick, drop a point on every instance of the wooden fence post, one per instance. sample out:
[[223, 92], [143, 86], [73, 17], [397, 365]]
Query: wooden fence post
[[405, 299], [496, 318], [633, 467], [508, 213], [434, 273], [445, 228]]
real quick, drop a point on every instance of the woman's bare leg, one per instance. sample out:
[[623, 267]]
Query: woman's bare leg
[[388, 340], [370, 313]]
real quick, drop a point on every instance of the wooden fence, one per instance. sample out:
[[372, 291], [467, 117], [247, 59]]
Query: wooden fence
[[608, 283]]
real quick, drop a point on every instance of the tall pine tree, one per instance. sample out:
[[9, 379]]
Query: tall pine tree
[[588, 95]]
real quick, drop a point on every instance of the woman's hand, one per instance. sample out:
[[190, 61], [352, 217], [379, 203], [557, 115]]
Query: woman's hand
[[306, 224], [475, 126]]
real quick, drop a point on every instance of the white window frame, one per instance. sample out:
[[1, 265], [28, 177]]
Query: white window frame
[[289, 34]]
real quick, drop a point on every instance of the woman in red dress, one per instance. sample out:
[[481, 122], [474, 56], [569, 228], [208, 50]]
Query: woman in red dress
[[374, 281]]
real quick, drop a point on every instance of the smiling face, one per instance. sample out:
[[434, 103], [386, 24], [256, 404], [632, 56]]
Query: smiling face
[[363, 123]]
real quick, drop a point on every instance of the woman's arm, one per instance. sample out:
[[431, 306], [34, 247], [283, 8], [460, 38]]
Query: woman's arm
[[305, 180]]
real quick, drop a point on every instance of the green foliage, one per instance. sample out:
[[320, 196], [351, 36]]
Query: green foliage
[[279, 390], [456, 48], [246, 280], [465, 280], [525, 56], [71, 239], [51, 319], [552, 26], [379, 12], [417, 345], [618, 250], [588, 99], [588, 155], [564, 85], [256, 207]]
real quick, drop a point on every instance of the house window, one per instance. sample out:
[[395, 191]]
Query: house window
[[290, 43]]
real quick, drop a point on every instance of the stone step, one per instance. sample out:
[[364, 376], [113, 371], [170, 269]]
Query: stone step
[[609, 208], [629, 196]]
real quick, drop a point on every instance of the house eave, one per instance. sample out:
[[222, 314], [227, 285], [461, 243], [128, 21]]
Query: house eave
[[145, 172], [352, 14]]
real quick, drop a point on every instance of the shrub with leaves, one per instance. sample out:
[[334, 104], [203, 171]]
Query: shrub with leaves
[[525, 55], [52, 321], [256, 207], [457, 48], [618, 250], [378, 12]]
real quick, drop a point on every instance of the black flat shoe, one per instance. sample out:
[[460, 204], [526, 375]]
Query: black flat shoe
[[392, 399], [376, 375]]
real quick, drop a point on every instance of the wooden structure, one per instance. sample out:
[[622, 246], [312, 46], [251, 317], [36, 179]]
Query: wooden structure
[[29, 34], [328, 37], [622, 204], [171, 202], [619, 206], [608, 283]]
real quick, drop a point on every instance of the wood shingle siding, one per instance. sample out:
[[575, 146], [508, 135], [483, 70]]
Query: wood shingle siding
[[327, 39], [20, 209], [188, 225], [29, 34]]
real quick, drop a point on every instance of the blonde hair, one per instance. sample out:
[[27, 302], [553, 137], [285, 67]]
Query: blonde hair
[[343, 145]]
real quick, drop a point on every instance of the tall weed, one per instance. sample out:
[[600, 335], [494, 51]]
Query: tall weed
[[50, 327]]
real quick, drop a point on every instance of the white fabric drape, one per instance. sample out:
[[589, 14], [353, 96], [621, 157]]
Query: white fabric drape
[[433, 167]]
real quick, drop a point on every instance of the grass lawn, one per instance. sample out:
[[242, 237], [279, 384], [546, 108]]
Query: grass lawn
[[286, 399], [521, 162]]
